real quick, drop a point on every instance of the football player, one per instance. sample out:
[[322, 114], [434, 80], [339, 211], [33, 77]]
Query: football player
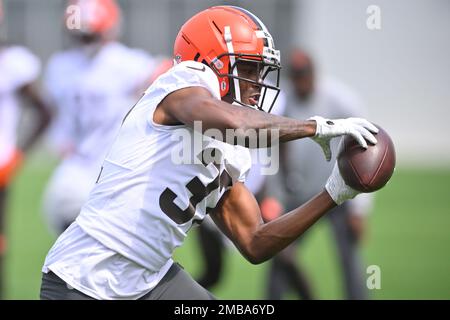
[[19, 69], [144, 202], [92, 86]]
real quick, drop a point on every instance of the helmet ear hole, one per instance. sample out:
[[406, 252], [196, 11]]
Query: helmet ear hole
[[218, 66], [227, 84], [223, 86]]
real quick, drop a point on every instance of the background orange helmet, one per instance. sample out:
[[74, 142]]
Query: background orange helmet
[[100, 17], [224, 36]]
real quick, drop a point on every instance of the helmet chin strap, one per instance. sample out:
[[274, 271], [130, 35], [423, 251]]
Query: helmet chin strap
[[228, 41]]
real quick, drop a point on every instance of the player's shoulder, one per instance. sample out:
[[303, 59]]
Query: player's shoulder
[[194, 67], [25, 64], [127, 57], [129, 61], [121, 48], [117, 50], [192, 73], [18, 50], [21, 55], [65, 57]]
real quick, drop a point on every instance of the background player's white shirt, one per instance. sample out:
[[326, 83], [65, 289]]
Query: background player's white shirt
[[145, 203], [18, 67], [92, 95]]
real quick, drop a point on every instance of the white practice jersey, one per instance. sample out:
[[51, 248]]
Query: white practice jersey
[[18, 67], [92, 95], [150, 192]]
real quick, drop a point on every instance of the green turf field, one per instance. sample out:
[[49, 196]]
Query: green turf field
[[408, 237]]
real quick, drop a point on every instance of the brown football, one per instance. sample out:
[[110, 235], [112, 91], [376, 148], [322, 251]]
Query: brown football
[[367, 170]]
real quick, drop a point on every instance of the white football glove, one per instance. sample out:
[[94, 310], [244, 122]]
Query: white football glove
[[358, 128], [337, 189]]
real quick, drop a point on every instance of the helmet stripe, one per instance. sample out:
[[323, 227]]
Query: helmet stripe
[[258, 23], [254, 18]]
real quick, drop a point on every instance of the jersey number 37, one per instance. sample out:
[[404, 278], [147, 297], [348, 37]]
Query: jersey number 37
[[198, 190]]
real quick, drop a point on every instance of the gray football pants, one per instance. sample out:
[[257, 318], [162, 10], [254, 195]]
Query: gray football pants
[[177, 284]]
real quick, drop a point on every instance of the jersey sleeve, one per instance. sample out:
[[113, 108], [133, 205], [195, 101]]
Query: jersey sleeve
[[238, 164], [236, 159], [183, 75], [189, 74]]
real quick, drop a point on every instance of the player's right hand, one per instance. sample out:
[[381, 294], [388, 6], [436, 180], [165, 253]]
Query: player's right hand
[[358, 128]]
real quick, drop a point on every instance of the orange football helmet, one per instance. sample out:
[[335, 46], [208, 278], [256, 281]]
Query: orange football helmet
[[97, 17], [222, 37]]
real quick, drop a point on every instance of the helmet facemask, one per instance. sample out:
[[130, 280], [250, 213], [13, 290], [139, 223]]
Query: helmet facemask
[[262, 77], [266, 72]]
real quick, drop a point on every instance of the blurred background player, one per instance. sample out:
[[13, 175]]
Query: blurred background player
[[302, 174], [19, 69], [93, 85]]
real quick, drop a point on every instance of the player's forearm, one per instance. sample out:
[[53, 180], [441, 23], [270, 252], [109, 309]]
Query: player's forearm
[[247, 119], [243, 121], [195, 104], [272, 237]]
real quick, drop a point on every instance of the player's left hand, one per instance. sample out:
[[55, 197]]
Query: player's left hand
[[358, 128], [336, 187]]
